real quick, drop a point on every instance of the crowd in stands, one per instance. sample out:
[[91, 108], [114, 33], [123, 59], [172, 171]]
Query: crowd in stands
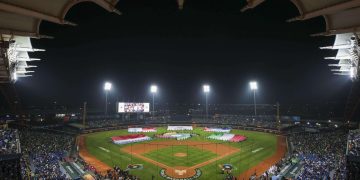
[[321, 155], [260, 121], [354, 143], [60, 128], [117, 173], [42, 152], [104, 123], [8, 141], [276, 168], [353, 153], [263, 121]]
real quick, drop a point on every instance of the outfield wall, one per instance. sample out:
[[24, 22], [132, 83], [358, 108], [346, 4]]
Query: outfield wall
[[233, 126]]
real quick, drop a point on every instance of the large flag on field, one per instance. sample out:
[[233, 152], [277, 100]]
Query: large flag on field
[[131, 138], [145, 129], [223, 130]]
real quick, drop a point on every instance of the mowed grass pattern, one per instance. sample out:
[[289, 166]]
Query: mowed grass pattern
[[167, 156]]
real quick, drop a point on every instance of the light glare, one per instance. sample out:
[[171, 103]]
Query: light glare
[[15, 76], [206, 88], [352, 72], [153, 89], [107, 86], [253, 85]]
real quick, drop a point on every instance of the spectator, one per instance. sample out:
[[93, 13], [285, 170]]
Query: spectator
[[44, 151], [8, 141]]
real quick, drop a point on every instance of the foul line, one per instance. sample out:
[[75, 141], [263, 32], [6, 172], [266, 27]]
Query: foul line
[[257, 150]]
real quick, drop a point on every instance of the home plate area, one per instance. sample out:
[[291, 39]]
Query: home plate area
[[183, 173], [180, 160]]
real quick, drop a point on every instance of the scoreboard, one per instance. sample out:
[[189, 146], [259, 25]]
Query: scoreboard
[[126, 107]]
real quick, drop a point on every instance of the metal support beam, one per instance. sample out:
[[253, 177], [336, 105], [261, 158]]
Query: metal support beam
[[251, 4], [327, 10], [338, 58], [332, 32], [32, 13], [344, 46], [106, 5], [23, 33]]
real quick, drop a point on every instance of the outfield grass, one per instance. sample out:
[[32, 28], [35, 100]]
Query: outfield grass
[[253, 151], [194, 156]]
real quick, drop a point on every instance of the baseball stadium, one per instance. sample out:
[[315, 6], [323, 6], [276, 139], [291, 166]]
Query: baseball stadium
[[179, 90]]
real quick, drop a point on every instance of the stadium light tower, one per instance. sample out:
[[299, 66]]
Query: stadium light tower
[[206, 89], [254, 87], [153, 90], [107, 88]]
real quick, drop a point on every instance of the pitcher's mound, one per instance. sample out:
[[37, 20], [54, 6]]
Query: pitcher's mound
[[180, 154]]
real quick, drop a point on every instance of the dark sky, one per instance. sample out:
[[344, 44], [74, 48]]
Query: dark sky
[[208, 42]]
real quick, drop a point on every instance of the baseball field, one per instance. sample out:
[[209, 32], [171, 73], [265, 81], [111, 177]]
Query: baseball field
[[195, 158]]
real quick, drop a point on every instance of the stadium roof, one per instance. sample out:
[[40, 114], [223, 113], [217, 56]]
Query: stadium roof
[[341, 17], [20, 21]]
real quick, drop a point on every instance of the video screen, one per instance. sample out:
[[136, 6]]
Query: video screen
[[133, 107]]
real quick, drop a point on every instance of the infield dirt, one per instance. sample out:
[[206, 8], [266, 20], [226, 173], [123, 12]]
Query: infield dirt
[[221, 149]]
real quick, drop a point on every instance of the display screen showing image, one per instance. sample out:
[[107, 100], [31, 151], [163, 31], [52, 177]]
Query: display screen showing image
[[133, 107]]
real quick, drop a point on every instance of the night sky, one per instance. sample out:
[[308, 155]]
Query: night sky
[[208, 42]]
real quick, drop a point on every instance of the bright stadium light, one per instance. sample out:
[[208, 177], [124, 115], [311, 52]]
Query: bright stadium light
[[107, 88], [153, 90], [206, 90], [254, 87]]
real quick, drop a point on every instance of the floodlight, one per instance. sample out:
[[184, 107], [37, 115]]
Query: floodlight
[[107, 86], [206, 88], [153, 89], [253, 85]]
